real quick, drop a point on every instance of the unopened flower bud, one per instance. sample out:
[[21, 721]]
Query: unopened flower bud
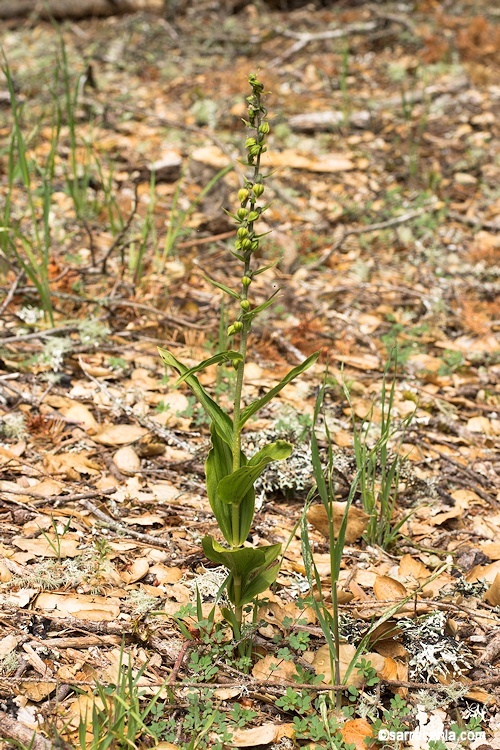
[[246, 280], [250, 142], [253, 216], [243, 195], [246, 244], [264, 128], [238, 326], [231, 330], [242, 233], [245, 305], [242, 213], [255, 246], [258, 189]]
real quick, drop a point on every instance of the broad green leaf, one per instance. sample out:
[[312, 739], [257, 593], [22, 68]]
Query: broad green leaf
[[228, 356], [252, 409], [223, 287], [234, 487], [219, 464], [277, 451], [256, 568], [221, 420]]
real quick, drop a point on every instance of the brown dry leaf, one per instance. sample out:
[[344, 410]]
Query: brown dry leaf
[[480, 424], [127, 460], [492, 596], [322, 665], [81, 415], [146, 519], [119, 434], [10, 455], [355, 732], [50, 546], [487, 573], [274, 669], [70, 465], [391, 648], [164, 574], [82, 606], [138, 569], [326, 163], [365, 362], [409, 566], [8, 644], [5, 574], [36, 691], [390, 669], [491, 549], [357, 520], [387, 588], [263, 735]]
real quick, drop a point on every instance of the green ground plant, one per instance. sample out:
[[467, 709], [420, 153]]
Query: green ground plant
[[378, 467], [29, 248], [230, 475]]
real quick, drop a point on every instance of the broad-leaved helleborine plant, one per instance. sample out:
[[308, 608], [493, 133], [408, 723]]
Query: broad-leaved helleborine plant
[[230, 475]]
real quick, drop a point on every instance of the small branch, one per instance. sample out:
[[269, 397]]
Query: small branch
[[37, 335], [26, 737], [369, 228], [11, 293], [124, 531], [303, 39], [119, 237], [148, 424]]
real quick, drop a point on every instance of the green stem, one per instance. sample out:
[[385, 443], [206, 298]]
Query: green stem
[[236, 447]]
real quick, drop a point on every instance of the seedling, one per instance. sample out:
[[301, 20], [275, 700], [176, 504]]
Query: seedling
[[230, 475]]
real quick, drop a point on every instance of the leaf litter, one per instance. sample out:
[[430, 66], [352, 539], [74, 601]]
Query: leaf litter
[[386, 210]]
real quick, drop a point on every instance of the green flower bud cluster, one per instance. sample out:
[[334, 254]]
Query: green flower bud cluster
[[247, 241]]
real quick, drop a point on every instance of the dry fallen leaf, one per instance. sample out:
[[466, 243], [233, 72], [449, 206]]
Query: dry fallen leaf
[[275, 670], [322, 664], [263, 735], [138, 569], [357, 520], [118, 434], [127, 460], [492, 595], [83, 607], [50, 545], [387, 588], [355, 732]]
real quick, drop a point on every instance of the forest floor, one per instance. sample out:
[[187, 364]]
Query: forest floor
[[385, 213]]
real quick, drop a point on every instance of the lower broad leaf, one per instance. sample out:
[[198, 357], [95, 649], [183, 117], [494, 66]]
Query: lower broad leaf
[[256, 568]]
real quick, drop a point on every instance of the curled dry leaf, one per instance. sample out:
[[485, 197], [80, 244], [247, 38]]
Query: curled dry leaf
[[127, 460], [70, 465], [409, 566], [357, 521], [262, 735], [82, 606], [119, 434], [492, 596], [387, 588], [8, 644], [80, 415], [322, 664], [355, 732], [137, 570], [50, 546], [275, 670]]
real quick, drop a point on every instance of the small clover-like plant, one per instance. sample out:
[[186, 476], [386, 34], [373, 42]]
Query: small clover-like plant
[[230, 475]]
